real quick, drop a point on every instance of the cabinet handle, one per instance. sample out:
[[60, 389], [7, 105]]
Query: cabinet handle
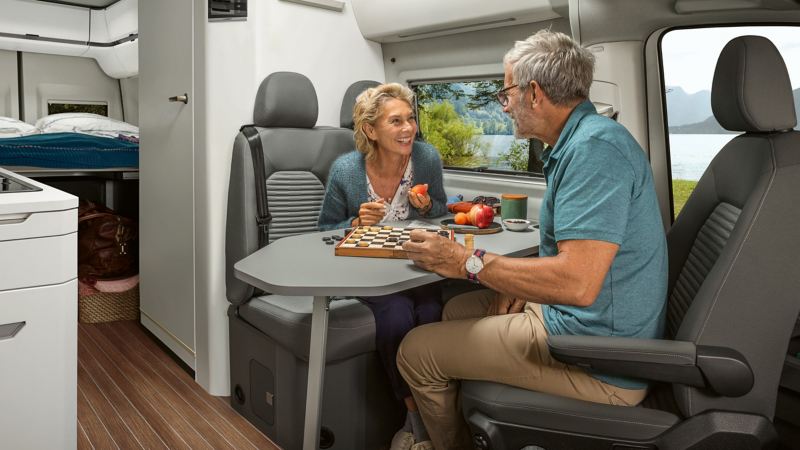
[[180, 98], [10, 219], [9, 330]]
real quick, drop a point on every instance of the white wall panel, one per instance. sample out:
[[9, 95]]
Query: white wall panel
[[328, 48], [387, 21], [9, 91], [65, 78], [44, 19]]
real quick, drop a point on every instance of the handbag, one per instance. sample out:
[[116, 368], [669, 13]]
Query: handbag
[[107, 243]]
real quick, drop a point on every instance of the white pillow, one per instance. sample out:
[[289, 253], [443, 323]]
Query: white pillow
[[10, 128], [87, 123]]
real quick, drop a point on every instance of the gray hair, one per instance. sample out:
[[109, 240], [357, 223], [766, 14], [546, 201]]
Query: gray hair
[[563, 68]]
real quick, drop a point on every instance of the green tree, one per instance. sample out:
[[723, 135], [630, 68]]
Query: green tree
[[436, 92], [484, 94], [455, 138], [517, 155]]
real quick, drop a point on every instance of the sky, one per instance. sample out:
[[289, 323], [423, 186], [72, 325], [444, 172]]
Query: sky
[[690, 55]]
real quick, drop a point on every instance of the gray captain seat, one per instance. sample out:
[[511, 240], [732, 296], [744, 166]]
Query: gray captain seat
[[733, 298], [349, 100], [270, 334]]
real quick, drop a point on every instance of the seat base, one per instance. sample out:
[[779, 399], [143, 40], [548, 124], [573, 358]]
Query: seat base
[[268, 388], [505, 417]]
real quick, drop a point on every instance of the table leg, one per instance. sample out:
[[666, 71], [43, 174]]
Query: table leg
[[316, 372]]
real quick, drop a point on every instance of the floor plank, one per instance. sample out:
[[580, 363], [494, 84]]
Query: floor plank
[[148, 369], [90, 427], [129, 414], [218, 406], [132, 394]]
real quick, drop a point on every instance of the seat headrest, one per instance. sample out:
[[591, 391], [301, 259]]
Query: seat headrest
[[751, 90], [346, 114], [287, 100]]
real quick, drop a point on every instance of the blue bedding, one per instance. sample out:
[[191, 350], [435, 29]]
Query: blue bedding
[[68, 151]]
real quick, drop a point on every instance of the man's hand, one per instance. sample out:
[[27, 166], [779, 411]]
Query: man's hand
[[437, 254], [371, 213], [503, 304]]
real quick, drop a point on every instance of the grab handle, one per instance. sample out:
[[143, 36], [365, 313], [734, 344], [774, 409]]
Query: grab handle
[[9, 330]]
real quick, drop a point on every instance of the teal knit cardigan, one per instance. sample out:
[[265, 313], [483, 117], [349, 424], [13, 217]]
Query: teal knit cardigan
[[347, 187]]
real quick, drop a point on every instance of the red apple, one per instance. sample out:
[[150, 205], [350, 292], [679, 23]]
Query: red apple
[[420, 189], [484, 216], [481, 215]]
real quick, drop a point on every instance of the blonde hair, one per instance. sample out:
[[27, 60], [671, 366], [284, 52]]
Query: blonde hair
[[369, 107]]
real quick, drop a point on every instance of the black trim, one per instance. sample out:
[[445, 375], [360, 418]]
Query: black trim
[[20, 87], [36, 37], [263, 217]]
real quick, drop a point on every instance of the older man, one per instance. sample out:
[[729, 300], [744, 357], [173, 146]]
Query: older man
[[602, 266]]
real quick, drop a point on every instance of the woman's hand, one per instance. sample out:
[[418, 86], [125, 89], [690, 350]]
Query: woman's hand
[[371, 213], [422, 202]]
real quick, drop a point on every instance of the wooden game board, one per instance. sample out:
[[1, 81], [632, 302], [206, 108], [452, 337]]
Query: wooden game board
[[379, 242]]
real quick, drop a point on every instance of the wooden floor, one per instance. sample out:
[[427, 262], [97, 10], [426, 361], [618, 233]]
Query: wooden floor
[[132, 395]]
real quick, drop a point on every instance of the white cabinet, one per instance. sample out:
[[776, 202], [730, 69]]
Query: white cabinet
[[38, 315]]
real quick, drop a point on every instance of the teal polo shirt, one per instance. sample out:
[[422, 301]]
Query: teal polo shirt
[[600, 187]]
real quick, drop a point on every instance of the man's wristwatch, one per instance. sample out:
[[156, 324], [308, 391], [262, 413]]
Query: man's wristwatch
[[474, 265]]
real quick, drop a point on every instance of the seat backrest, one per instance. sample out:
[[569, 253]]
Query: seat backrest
[[733, 279], [349, 100], [297, 158]]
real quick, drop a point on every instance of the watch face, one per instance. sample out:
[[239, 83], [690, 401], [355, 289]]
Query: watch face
[[474, 264]]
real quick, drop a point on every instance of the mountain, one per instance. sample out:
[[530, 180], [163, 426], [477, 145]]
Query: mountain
[[683, 108], [708, 125]]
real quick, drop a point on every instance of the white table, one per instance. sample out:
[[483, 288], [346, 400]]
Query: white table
[[304, 265]]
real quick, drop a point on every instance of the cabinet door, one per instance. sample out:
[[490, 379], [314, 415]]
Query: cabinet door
[[166, 179], [38, 367]]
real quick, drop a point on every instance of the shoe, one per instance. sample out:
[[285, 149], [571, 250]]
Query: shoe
[[402, 440], [423, 445]]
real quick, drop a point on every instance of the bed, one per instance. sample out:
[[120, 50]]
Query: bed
[[87, 155], [70, 144]]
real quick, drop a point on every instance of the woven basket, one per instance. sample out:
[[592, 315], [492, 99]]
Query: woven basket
[[109, 306]]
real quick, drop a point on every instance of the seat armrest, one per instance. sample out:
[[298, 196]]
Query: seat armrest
[[723, 370]]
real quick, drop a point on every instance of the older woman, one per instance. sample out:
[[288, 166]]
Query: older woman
[[373, 184]]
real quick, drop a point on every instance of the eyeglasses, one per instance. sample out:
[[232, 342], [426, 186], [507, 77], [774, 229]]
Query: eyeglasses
[[502, 95]]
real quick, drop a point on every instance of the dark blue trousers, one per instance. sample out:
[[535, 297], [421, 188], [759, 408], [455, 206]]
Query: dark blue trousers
[[395, 315]]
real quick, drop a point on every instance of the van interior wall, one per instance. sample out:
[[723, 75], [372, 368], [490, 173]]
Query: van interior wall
[[69, 78], [129, 87], [9, 85], [471, 55], [237, 55]]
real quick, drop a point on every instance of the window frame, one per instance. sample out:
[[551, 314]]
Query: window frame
[[527, 174], [663, 89]]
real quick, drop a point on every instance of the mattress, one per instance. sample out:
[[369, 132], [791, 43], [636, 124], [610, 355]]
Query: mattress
[[68, 151]]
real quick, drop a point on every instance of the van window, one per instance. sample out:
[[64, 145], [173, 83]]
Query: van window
[[689, 57], [464, 121], [77, 107]]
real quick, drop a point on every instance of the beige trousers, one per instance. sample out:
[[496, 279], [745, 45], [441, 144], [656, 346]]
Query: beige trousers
[[509, 349]]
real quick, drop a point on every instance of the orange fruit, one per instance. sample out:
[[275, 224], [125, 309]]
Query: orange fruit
[[460, 219]]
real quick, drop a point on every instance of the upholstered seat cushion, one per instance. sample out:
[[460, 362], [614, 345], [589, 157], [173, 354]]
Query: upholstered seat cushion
[[287, 320], [538, 410]]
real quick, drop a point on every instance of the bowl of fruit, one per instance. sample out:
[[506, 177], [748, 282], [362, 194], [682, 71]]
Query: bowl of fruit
[[479, 220]]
